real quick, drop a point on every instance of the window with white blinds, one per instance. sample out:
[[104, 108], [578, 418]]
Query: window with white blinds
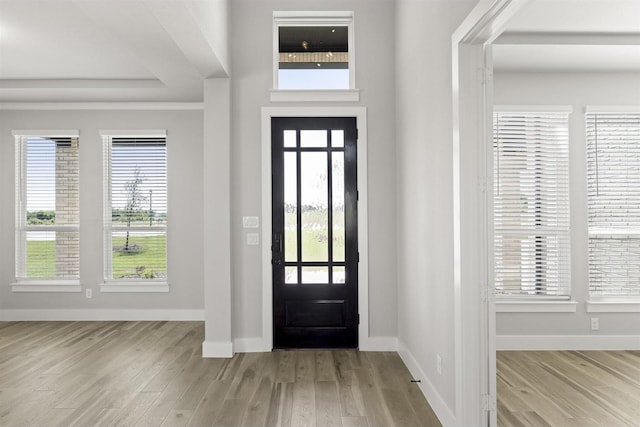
[[613, 182], [531, 205], [135, 217], [47, 207]]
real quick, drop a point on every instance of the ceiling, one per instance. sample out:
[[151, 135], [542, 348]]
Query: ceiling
[[109, 50], [161, 50], [570, 36]]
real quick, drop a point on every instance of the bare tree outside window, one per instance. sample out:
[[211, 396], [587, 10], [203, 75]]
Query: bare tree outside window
[[133, 207]]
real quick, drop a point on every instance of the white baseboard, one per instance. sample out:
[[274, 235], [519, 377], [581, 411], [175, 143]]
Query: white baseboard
[[378, 344], [217, 349], [251, 345], [567, 342], [17, 315], [258, 344], [439, 406]]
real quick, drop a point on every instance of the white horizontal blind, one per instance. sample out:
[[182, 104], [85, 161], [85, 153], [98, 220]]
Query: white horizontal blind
[[47, 208], [613, 181], [136, 209], [531, 205]]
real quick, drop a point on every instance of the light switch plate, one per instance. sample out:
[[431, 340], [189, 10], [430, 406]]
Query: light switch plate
[[250, 222], [253, 239]]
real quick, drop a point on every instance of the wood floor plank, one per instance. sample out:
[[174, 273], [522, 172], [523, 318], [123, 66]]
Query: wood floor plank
[[412, 392], [400, 409], [208, 407], [137, 406], [258, 408], [375, 410], [286, 367], [197, 390], [280, 406], [51, 418], [231, 413], [328, 411], [303, 413], [177, 418], [247, 378], [355, 422], [351, 403], [325, 366], [305, 363]]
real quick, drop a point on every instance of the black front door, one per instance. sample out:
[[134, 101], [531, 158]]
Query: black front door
[[315, 232]]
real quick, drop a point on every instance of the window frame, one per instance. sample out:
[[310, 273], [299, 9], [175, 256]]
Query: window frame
[[535, 302], [110, 285], [25, 284], [314, 19], [607, 303]]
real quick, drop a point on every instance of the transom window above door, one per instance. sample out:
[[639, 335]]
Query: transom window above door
[[313, 52]]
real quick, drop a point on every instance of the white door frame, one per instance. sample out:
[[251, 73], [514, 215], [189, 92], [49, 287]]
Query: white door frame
[[474, 307], [360, 113]]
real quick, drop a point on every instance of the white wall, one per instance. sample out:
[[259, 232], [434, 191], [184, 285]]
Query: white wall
[[185, 242], [577, 90], [425, 193], [251, 68]]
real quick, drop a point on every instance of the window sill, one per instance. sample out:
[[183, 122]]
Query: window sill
[[536, 306], [115, 287], [47, 286], [338, 95], [613, 306]]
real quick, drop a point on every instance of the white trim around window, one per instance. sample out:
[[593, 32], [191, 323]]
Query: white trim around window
[[612, 306], [315, 19], [134, 287], [533, 109], [612, 109], [613, 158], [348, 95], [46, 286], [46, 165], [506, 306], [531, 208], [147, 148]]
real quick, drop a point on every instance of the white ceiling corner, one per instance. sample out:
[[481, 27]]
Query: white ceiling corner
[[572, 36], [103, 50]]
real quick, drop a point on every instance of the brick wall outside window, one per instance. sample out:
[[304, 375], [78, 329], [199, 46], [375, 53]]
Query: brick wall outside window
[[67, 209]]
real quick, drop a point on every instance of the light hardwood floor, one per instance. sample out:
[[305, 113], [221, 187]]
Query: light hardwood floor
[[568, 388], [152, 374]]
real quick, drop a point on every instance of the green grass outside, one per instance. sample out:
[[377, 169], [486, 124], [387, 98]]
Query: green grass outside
[[41, 258], [150, 260]]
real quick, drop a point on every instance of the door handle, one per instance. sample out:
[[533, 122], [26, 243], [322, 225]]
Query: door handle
[[276, 248], [277, 243]]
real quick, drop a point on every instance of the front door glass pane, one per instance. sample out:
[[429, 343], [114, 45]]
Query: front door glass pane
[[313, 138], [289, 138], [314, 206], [315, 275], [291, 275], [290, 207], [337, 160], [337, 138]]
